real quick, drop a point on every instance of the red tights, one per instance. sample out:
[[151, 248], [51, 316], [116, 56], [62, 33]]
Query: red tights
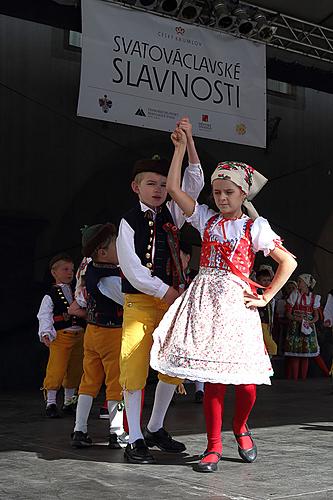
[[295, 365], [213, 408]]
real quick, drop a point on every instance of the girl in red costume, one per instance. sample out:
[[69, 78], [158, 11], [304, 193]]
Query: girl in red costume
[[212, 333]]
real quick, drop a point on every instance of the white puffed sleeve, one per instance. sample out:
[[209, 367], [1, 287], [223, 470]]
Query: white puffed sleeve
[[292, 299], [316, 303], [200, 216], [263, 237]]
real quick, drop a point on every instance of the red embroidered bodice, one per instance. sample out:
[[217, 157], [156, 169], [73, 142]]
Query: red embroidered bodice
[[238, 251]]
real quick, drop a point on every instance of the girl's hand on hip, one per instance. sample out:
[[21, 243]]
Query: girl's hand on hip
[[252, 301]]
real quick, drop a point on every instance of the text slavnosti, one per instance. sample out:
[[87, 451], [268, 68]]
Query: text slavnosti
[[173, 71]]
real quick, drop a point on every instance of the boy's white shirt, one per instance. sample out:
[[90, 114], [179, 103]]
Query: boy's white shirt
[[45, 314], [138, 275]]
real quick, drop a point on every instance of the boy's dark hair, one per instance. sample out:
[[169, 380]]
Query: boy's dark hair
[[263, 273], [60, 256]]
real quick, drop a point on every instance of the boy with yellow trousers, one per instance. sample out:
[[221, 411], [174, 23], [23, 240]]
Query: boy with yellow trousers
[[149, 264], [62, 333], [102, 339]]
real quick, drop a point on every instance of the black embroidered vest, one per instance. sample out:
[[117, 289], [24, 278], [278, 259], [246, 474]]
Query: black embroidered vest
[[101, 310], [61, 318], [145, 232]]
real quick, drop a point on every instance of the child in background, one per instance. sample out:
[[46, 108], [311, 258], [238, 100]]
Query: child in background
[[264, 278], [301, 340], [62, 333]]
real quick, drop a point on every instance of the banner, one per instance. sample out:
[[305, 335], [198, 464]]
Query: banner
[[146, 70]]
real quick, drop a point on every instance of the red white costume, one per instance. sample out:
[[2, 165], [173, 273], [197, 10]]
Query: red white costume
[[208, 334]]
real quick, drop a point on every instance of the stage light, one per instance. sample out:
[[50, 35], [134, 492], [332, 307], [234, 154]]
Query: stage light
[[190, 11], [224, 19], [170, 7], [146, 4], [265, 31], [245, 25]]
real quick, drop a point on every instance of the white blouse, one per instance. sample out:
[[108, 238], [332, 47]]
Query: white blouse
[[262, 235], [295, 298]]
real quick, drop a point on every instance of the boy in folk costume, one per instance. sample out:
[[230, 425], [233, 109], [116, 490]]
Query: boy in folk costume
[[212, 332], [103, 334], [148, 255], [264, 278], [328, 319], [62, 333]]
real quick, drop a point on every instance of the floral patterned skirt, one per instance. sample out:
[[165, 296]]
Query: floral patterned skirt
[[300, 345], [209, 335]]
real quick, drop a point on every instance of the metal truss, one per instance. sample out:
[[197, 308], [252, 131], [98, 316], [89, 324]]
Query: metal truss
[[296, 35], [285, 32]]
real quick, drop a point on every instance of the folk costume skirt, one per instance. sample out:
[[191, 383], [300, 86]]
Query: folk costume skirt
[[209, 335]]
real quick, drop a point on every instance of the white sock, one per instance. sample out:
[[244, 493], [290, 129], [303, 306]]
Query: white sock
[[116, 418], [69, 393], [51, 397], [83, 408], [199, 386], [163, 396], [133, 410]]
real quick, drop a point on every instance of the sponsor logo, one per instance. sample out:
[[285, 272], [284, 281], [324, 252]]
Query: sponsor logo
[[105, 103], [204, 124], [241, 128], [140, 112]]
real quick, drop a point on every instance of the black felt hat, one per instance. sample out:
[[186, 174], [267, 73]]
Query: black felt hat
[[94, 236], [155, 164]]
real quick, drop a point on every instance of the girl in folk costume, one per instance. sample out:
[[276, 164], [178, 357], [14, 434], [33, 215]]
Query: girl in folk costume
[[301, 341], [212, 332]]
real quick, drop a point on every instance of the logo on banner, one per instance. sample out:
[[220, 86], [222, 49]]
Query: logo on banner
[[241, 128], [204, 124], [105, 103], [179, 30], [140, 112]]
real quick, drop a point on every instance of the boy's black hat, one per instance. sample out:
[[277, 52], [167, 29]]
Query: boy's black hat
[[94, 236], [154, 164], [60, 256]]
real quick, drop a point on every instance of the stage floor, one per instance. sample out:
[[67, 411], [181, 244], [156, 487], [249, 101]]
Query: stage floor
[[293, 429]]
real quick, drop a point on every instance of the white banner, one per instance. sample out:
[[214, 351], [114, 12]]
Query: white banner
[[146, 70]]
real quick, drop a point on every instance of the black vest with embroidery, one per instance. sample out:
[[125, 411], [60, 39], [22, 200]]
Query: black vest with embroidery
[[147, 231], [61, 318], [101, 310]]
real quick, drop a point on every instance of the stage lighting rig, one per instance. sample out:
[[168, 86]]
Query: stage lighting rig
[[190, 11], [169, 7], [224, 19], [245, 25]]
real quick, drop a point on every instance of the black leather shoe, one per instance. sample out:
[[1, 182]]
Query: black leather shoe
[[52, 411], [113, 442], [80, 440], [163, 441], [138, 453], [69, 409], [249, 455], [207, 466]]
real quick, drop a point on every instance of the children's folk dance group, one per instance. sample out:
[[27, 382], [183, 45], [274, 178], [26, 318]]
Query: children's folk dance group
[[141, 309]]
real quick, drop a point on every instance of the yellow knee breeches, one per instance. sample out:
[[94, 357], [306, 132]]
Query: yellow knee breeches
[[101, 361], [268, 339], [142, 314], [65, 361]]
